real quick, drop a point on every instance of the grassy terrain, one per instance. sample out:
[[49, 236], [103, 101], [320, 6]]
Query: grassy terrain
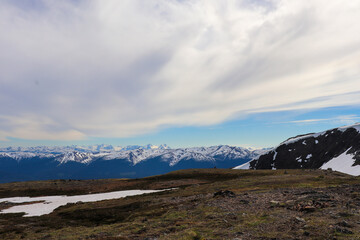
[[260, 204]]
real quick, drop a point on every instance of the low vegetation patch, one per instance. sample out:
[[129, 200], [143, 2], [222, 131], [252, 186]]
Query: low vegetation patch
[[206, 204]]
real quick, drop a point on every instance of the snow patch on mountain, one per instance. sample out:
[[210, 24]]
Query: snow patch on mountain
[[76, 157], [315, 135], [243, 166], [24, 155], [343, 129], [295, 139], [343, 163], [316, 150], [133, 154], [355, 126]]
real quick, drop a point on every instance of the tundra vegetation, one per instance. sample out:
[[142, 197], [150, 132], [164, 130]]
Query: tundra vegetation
[[205, 204]]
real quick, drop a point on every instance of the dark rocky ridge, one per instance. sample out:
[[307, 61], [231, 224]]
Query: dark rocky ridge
[[311, 151]]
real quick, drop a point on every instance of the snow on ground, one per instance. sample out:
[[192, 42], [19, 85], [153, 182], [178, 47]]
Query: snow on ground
[[243, 166], [343, 163], [50, 203]]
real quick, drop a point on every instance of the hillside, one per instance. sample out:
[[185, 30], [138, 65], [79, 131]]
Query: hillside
[[338, 149], [206, 204]]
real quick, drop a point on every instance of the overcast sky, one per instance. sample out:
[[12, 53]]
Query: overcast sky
[[84, 71]]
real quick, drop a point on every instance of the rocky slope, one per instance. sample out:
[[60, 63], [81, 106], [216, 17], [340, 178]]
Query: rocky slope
[[338, 148]]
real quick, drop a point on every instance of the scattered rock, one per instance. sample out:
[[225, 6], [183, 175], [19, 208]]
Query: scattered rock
[[344, 224], [101, 235], [309, 209], [343, 230], [244, 201], [345, 214], [306, 193], [304, 208], [46, 237], [300, 219], [225, 193], [309, 206]]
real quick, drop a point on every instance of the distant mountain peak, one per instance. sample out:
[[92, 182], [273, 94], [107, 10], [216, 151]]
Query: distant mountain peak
[[104, 161], [132, 153]]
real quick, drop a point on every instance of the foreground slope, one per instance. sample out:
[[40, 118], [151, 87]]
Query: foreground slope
[[207, 204], [338, 148]]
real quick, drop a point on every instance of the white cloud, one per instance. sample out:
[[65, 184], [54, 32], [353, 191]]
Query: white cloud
[[123, 68], [343, 119], [33, 128]]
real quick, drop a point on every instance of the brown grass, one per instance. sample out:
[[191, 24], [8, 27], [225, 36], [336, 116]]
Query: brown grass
[[191, 211]]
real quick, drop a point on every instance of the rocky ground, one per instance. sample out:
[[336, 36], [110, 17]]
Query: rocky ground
[[209, 204]]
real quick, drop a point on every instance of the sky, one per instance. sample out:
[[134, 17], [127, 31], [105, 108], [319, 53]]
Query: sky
[[180, 72]]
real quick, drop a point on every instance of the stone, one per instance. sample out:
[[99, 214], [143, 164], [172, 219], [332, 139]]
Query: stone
[[343, 230], [344, 224], [225, 193], [299, 219]]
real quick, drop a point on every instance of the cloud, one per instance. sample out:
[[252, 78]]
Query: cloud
[[77, 69], [343, 119], [33, 128]]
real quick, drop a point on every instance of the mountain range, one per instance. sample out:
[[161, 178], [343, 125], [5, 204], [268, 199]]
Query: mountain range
[[107, 161], [338, 149]]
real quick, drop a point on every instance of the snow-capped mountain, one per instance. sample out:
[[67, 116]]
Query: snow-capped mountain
[[102, 161], [337, 148], [134, 154]]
